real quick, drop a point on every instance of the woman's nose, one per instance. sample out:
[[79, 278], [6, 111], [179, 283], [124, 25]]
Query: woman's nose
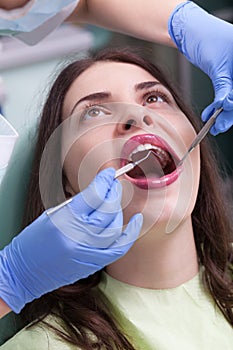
[[130, 123]]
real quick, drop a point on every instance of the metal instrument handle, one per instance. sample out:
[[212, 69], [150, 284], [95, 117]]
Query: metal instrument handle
[[202, 133]]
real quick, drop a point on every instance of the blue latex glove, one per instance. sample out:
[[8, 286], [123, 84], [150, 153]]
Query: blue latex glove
[[44, 257], [207, 42]]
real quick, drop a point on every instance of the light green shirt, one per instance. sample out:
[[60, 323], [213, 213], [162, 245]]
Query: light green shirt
[[181, 318]]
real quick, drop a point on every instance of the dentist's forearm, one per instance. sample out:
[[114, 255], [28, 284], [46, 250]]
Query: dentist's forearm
[[147, 20], [12, 4], [4, 308]]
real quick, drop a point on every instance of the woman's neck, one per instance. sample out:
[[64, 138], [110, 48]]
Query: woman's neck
[[159, 261]]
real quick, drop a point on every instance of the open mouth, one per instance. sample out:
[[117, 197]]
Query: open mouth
[[158, 170]]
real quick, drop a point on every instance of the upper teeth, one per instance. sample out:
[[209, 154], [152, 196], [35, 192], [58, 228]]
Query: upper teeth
[[146, 147]]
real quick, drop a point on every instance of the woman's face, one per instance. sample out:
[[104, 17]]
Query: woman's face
[[114, 113]]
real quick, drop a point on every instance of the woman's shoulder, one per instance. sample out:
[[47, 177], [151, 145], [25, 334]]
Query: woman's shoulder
[[38, 336]]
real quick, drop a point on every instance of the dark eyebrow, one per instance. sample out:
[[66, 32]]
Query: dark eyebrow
[[146, 85], [103, 95], [92, 97]]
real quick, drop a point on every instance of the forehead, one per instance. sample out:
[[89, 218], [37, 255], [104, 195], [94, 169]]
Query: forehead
[[102, 73], [106, 76]]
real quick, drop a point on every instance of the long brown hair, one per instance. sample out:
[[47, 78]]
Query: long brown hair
[[78, 305]]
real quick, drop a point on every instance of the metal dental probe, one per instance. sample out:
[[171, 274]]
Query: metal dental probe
[[202, 133], [126, 168]]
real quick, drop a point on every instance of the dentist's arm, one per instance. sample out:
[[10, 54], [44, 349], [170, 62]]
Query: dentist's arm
[[142, 19]]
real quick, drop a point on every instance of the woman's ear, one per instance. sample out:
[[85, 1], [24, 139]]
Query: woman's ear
[[68, 190], [68, 194]]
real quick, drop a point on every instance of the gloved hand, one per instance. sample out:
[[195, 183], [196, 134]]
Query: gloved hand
[[71, 243], [207, 42]]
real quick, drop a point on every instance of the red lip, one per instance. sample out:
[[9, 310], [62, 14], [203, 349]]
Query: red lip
[[148, 182]]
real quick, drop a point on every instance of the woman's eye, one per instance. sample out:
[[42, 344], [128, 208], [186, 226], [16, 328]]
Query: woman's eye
[[95, 112], [154, 98]]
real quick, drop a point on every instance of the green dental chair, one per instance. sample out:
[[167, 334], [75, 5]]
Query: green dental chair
[[13, 191]]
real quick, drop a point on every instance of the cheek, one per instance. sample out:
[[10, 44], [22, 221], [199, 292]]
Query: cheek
[[72, 162], [87, 156], [76, 151], [185, 134]]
